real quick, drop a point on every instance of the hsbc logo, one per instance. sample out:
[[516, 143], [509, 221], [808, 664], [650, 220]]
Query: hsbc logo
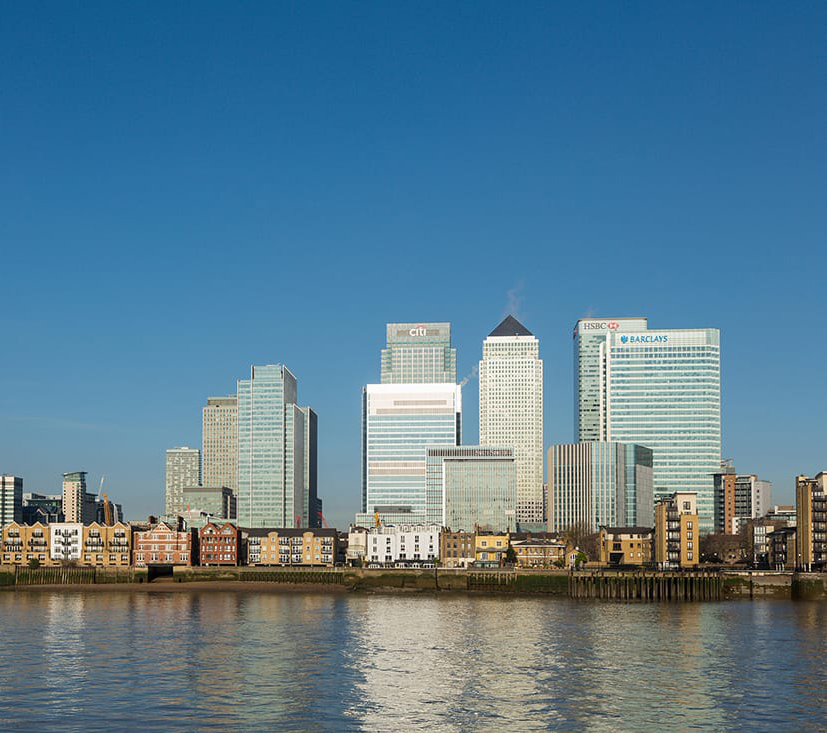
[[613, 325], [600, 325]]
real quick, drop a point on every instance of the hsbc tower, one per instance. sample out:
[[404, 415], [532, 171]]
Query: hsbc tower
[[589, 371]]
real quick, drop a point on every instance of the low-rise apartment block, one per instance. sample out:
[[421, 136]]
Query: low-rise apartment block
[[21, 544], [106, 545], [625, 545], [781, 548], [65, 540], [219, 544], [165, 543], [811, 522], [676, 531], [292, 547]]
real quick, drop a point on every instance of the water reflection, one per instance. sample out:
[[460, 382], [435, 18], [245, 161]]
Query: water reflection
[[294, 661]]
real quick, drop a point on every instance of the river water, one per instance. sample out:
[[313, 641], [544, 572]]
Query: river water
[[294, 661]]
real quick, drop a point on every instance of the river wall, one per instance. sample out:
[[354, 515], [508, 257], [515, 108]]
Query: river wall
[[587, 584]]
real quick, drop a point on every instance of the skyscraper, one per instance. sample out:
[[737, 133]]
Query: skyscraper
[[183, 468], [596, 484], [511, 410], [272, 450], [311, 505], [590, 373], [419, 353], [219, 442], [11, 499], [399, 421], [660, 389]]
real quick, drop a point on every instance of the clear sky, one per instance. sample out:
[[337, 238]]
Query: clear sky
[[190, 188]]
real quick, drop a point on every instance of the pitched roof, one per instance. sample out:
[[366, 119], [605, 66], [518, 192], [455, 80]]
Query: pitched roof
[[511, 327]]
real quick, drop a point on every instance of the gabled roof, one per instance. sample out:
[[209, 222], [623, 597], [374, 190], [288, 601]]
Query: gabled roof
[[511, 327]]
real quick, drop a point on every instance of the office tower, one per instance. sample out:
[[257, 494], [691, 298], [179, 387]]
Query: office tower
[[11, 500], [311, 504], [219, 442], [738, 498], [183, 468], [511, 410], [273, 447], [594, 484], [210, 501], [662, 389], [471, 487], [419, 353], [589, 371], [811, 520], [78, 505], [399, 421]]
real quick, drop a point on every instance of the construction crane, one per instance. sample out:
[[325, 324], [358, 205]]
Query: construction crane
[[323, 521], [376, 521]]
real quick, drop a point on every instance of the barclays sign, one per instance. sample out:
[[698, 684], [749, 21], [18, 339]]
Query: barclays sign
[[662, 339]]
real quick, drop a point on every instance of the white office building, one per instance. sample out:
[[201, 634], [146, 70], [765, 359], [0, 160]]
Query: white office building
[[399, 422], [511, 410], [183, 468]]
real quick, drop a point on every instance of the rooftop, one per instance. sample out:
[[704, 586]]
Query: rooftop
[[511, 327]]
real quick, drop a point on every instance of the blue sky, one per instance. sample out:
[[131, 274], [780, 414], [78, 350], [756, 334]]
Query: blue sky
[[189, 189]]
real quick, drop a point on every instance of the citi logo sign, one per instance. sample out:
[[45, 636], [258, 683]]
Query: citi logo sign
[[419, 330]]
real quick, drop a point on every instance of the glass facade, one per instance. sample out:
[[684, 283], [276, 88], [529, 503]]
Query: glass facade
[[271, 439], [662, 389], [419, 353], [471, 487], [590, 371], [399, 422], [596, 483]]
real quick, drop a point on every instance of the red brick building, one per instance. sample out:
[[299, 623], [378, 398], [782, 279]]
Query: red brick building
[[219, 544], [165, 544]]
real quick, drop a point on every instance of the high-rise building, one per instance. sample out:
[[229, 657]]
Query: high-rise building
[[511, 410], [273, 443], [11, 499], [399, 422], [78, 505], [219, 442], [738, 498], [419, 353], [311, 504], [594, 484], [471, 487], [183, 468], [590, 372], [657, 388]]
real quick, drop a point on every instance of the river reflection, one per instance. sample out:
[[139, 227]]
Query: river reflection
[[81, 660]]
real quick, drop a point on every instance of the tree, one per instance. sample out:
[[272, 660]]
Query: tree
[[581, 536], [34, 564], [510, 556]]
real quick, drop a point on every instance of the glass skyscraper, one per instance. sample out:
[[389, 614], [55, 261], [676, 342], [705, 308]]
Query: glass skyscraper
[[596, 483], [590, 371], [660, 389], [272, 447], [399, 421], [419, 353]]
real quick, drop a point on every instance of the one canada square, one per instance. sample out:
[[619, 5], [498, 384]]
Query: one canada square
[[656, 388], [511, 410]]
